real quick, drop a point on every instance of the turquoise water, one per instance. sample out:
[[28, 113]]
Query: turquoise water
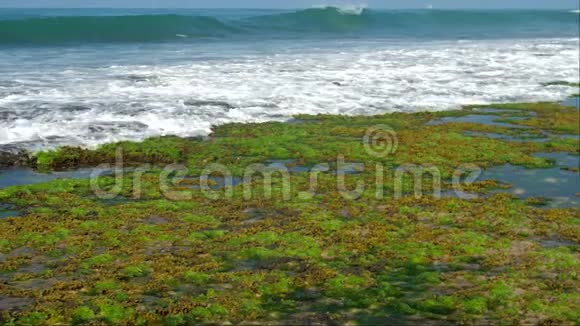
[[91, 76], [97, 25]]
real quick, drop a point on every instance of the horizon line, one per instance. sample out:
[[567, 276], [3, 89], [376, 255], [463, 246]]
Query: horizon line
[[294, 8]]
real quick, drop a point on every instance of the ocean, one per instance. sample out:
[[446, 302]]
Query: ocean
[[85, 77]]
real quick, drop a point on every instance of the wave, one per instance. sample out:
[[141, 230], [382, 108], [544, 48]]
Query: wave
[[346, 9], [324, 19], [338, 20], [144, 28]]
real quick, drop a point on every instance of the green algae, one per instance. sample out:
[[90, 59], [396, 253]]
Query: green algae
[[318, 259], [159, 150], [550, 116]]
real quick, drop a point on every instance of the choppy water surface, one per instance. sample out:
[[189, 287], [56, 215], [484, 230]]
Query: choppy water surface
[[89, 77]]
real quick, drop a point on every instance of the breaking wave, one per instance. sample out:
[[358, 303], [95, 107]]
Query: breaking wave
[[162, 28]]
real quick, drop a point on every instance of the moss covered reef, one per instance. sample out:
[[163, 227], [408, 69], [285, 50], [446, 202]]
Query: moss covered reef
[[551, 117], [316, 139], [154, 150], [319, 259]]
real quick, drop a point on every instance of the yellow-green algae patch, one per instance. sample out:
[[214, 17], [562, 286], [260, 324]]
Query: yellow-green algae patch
[[324, 258]]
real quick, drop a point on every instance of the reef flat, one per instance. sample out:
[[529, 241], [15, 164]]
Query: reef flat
[[376, 246]]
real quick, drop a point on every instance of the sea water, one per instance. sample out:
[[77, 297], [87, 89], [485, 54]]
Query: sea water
[[91, 76]]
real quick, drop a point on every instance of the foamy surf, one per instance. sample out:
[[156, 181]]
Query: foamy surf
[[184, 93], [88, 77], [355, 10]]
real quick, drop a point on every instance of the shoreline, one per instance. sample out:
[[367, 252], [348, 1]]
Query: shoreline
[[14, 157], [11, 151]]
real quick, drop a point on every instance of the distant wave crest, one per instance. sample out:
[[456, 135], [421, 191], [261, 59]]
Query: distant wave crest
[[346, 9], [312, 21], [323, 19]]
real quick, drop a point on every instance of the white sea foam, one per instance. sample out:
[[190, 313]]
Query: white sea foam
[[346, 9], [91, 104], [352, 9]]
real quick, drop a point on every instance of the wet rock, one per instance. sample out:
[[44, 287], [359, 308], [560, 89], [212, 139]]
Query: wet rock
[[13, 157], [32, 268], [116, 126], [118, 200], [308, 294], [471, 267], [521, 248], [156, 220], [159, 248], [222, 104], [34, 284], [13, 303], [75, 108], [255, 215], [148, 303], [548, 276], [22, 251], [222, 287], [551, 243], [345, 213], [319, 318], [139, 78]]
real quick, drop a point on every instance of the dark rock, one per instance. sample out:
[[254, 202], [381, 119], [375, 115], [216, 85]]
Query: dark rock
[[222, 104], [255, 216], [116, 126], [13, 303], [139, 78], [13, 157], [75, 108], [34, 284], [22, 252], [33, 269], [156, 220]]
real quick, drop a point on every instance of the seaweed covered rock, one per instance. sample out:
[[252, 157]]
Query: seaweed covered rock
[[12, 156]]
